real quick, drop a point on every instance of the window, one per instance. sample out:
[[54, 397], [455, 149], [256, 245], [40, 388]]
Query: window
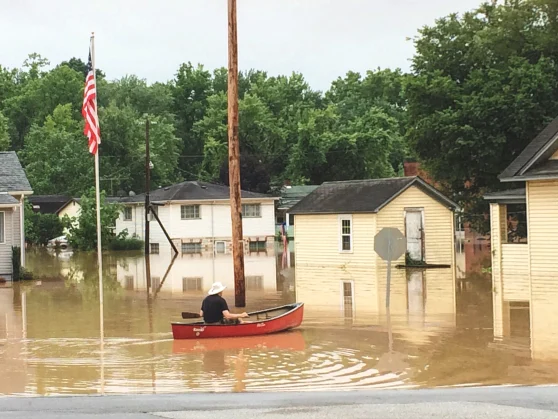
[[220, 247], [191, 284], [154, 248], [190, 212], [516, 222], [191, 248], [257, 246], [254, 283], [127, 213], [251, 210], [347, 293], [346, 232], [152, 210]]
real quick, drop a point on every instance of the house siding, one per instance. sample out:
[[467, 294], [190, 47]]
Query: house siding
[[321, 267], [215, 222], [439, 239], [515, 272], [542, 209], [6, 247]]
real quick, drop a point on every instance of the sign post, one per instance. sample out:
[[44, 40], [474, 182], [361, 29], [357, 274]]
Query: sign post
[[390, 244]]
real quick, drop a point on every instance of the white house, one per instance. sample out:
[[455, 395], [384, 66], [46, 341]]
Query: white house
[[14, 186], [197, 217]]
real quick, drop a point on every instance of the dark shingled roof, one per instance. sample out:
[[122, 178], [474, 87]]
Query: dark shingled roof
[[362, 196], [543, 139], [191, 191], [48, 204], [12, 175], [6, 199], [508, 196]]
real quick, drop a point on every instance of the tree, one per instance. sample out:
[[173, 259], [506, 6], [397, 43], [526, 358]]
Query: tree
[[40, 228], [82, 231], [485, 84], [56, 157], [4, 136]]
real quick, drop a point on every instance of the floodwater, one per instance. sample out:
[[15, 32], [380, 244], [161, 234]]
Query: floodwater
[[435, 335]]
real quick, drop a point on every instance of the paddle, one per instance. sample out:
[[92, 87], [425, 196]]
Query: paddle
[[188, 315]]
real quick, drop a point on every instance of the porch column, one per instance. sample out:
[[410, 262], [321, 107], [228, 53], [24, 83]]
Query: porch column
[[498, 233], [22, 227]]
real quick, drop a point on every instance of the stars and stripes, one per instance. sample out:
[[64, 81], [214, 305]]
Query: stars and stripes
[[89, 109]]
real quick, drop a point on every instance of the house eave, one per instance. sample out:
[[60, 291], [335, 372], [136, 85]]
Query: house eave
[[26, 193], [530, 178]]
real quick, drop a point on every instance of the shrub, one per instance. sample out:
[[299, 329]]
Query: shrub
[[131, 243]]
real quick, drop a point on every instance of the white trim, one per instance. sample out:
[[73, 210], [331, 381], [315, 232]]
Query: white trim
[[20, 192], [538, 155], [342, 284], [341, 218], [3, 214], [22, 231]]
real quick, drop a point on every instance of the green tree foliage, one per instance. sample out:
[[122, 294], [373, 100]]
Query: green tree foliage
[[4, 136], [485, 84], [82, 230], [40, 228], [287, 130]]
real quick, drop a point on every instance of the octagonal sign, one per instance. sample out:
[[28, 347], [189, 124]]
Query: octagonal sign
[[390, 243]]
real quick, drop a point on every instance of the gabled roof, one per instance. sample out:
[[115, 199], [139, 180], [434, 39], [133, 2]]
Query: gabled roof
[[537, 153], [291, 195], [12, 175], [362, 196], [193, 191]]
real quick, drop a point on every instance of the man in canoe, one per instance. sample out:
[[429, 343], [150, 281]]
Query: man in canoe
[[215, 310]]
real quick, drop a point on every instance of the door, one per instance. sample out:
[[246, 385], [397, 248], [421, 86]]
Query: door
[[413, 231]]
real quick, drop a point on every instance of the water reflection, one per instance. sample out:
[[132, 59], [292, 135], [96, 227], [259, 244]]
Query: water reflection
[[435, 334]]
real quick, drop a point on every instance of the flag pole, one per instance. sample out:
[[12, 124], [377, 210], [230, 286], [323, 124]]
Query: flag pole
[[97, 196]]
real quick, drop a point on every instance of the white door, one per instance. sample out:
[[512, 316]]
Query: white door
[[413, 231]]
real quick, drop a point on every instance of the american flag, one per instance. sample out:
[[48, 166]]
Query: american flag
[[89, 109]]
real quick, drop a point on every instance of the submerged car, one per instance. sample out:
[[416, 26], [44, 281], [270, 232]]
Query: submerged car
[[59, 241]]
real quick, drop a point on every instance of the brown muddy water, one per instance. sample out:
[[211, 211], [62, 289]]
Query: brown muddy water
[[436, 334]]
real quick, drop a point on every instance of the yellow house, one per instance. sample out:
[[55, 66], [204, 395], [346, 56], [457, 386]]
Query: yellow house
[[524, 231], [334, 229]]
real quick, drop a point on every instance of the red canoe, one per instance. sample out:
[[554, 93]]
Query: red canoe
[[262, 322]]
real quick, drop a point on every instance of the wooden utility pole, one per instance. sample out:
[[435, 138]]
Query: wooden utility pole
[[147, 185], [146, 209], [234, 162]]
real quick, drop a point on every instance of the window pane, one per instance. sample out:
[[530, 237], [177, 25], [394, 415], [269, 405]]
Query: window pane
[[251, 210], [346, 226], [154, 248], [127, 213], [190, 211], [191, 248], [347, 289], [346, 241], [2, 227]]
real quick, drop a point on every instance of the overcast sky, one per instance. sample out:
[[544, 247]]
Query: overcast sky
[[323, 39]]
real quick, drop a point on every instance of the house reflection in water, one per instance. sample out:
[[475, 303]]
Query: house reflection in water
[[422, 301], [194, 273]]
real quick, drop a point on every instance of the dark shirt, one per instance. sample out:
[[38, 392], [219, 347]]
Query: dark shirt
[[213, 307]]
